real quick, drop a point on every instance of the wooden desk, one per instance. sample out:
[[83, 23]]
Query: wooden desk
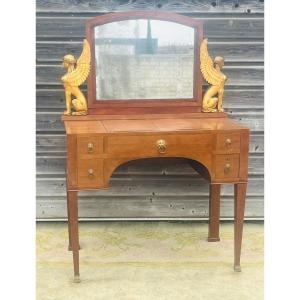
[[145, 100], [216, 147]]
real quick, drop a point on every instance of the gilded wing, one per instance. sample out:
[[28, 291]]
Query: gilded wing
[[83, 64], [210, 74]]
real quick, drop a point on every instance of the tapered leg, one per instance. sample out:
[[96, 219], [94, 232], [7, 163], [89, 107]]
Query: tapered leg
[[69, 223], [214, 212], [239, 209], [73, 223]]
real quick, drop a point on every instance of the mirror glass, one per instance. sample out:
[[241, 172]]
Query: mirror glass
[[144, 59]]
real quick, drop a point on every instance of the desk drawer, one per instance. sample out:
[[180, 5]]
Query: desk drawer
[[163, 144], [228, 141], [227, 166], [89, 146], [90, 173]]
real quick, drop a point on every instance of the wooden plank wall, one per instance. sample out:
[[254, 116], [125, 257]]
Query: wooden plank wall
[[162, 188]]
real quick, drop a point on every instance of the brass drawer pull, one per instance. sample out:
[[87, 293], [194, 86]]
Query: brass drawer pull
[[228, 142], [90, 172], [227, 168], [161, 146], [90, 147]]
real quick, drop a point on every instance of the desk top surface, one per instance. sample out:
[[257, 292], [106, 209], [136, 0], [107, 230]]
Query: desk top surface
[[150, 125]]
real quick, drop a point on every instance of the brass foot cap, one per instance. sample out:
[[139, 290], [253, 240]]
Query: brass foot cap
[[237, 269], [76, 279], [213, 239], [70, 248]]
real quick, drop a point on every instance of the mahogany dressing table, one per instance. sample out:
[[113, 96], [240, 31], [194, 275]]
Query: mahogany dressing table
[[145, 100]]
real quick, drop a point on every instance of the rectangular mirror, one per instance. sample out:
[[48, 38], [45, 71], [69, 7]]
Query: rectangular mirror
[[144, 59]]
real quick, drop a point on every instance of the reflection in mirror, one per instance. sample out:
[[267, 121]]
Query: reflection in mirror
[[144, 59]]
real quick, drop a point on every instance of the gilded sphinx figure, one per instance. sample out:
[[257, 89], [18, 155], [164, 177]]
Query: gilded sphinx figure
[[211, 71], [77, 72]]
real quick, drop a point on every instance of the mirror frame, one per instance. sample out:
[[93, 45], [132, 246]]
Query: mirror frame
[[100, 106]]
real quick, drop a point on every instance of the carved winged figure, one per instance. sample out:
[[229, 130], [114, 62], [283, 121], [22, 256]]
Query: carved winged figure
[[78, 71], [211, 71]]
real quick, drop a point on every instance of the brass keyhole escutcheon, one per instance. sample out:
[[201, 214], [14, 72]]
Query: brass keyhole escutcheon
[[227, 168], [90, 147], [161, 146]]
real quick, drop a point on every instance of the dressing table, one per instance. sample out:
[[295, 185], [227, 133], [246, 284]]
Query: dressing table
[[145, 100]]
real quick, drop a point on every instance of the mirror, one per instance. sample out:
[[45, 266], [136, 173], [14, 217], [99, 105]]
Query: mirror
[[144, 59]]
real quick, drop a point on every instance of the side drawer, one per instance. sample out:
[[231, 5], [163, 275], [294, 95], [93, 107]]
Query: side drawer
[[132, 145], [228, 141], [89, 146], [227, 166], [90, 173]]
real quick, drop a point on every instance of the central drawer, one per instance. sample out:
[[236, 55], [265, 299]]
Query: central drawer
[[162, 144]]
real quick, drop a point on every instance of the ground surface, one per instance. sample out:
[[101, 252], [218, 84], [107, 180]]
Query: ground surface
[[148, 260]]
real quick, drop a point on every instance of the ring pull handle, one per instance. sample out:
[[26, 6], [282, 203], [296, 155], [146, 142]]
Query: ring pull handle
[[227, 168], [228, 142], [90, 147], [161, 146], [90, 172]]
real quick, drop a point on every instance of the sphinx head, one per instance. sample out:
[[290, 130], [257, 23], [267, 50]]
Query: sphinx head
[[219, 61], [69, 61]]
